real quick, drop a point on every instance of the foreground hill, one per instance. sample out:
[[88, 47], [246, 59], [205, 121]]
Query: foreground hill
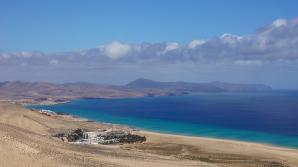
[[44, 92], [25, 140]]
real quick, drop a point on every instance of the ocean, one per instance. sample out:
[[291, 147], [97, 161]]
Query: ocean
[[262, 117]]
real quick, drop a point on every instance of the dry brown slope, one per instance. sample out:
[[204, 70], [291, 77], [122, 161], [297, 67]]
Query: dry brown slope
[[25, 141]]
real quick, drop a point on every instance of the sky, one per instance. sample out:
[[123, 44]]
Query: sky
[[114, 42], [64, 25]]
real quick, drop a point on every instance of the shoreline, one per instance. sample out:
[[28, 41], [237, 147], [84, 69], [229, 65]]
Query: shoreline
[[31, 131], [216, 140], [169, 134], [198, 137], [217, 132], [228, 147]]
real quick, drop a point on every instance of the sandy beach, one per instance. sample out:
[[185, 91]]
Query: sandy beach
[[26, 140]]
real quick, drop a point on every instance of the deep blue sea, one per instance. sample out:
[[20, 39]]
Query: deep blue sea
[[263, 117]]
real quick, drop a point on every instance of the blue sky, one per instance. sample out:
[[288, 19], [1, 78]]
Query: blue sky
[[64, 25], [114, 42]]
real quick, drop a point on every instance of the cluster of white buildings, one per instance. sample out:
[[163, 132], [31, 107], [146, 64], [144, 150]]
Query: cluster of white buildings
[[102, 137]]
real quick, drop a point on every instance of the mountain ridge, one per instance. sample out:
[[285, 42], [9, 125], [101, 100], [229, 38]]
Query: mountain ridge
[[44, 92], [216, 85]]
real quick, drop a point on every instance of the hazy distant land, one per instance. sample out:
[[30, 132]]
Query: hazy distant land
[[44, 92]]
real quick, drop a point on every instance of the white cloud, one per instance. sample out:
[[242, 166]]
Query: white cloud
[[171, 46], [116, 50], [279, 22], [196, 43], [268, 44], [230, 38]]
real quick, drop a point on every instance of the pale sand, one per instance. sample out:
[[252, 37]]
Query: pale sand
[[25, 140], [228, 146]]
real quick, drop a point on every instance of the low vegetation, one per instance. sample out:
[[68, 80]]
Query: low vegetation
[[77, 135], [129, 138]]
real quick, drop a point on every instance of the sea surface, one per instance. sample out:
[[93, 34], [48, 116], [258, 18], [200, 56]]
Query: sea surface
[[262, 117]]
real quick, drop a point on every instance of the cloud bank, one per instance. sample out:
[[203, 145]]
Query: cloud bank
[[273, 45], [274, 42]]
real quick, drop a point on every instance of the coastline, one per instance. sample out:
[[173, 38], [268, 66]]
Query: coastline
[[168, 134], [240, 139], [210, 139], [173, 135], [24, 133], [224, 146]]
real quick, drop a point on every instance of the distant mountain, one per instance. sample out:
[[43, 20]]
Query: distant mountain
[[146, 83], [39, 92], [197, 87]]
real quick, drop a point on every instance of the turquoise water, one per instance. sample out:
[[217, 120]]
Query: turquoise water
[[267, 117]]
